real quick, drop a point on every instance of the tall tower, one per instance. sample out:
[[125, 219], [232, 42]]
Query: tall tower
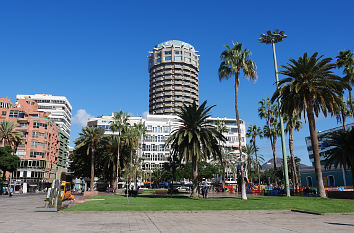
[[173, 68]]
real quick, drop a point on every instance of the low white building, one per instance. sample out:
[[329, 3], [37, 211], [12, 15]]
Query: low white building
[[159, 128]]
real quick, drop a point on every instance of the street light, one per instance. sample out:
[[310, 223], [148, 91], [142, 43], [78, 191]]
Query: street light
[[272, 38]]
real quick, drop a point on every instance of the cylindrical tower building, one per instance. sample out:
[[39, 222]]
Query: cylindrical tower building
[[173, 68]]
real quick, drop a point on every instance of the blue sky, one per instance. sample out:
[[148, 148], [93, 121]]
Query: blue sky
[[95, 52]]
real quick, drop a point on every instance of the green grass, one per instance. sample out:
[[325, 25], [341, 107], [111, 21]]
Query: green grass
[[160, 203]]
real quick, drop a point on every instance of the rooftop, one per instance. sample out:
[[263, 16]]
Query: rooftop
[[174, 42]]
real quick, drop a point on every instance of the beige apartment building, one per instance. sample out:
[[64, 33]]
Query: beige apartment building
[[173, 68]]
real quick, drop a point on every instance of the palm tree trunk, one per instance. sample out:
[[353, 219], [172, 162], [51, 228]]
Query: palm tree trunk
[[343, 120], [92, 167], [195, 177], [352, 168], [114, 182], [255, 152], [117, 167], [243, 185], [291, 148], [274, 149], [314, 141], [223, 177]]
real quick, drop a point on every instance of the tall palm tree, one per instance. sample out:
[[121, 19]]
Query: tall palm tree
[[249, 150], [91, 137], [112, 144], [346, 59], [119, 125], [293, 122], [310, 87], [253, 132], [342, 152], [221, 127], [233, 60], [270, 112], [140, 133], [195, 140]]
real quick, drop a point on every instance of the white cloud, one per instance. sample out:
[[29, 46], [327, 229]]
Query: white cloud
[[81, 117]]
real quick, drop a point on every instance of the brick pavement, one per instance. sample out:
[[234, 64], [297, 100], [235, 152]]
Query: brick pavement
[[17, 215]]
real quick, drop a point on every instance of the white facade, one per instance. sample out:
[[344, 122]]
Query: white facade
[[159, 128], [58, 107]]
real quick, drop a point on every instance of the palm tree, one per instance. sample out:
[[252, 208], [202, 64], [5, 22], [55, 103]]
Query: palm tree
[[16, 139], [253, 132], [249, 151], [311, 87], [112, 144], [119, 124], [91, 137], [293, 122], [140, 133], [346, 59], [221, 127], [6, 130], [342, 152], [271, 130], [195, 139], [234, 60], [344, 112]]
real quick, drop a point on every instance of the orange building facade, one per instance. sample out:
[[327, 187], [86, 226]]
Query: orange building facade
[[39, 152]]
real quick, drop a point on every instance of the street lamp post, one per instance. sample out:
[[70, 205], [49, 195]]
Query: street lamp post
[[272, 38]]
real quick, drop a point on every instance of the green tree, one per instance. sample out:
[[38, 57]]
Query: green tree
[[233, 60], [91, 137], [272, 129], [8, 161], [346, 59], [253, 132], [311, 87], [342, 152], [293, 122], [195, 140], [119, 125], [344, 112]]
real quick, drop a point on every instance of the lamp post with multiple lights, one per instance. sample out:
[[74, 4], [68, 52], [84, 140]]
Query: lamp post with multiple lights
[[272, 38]]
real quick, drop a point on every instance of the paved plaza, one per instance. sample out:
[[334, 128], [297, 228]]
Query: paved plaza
[[17, 215]]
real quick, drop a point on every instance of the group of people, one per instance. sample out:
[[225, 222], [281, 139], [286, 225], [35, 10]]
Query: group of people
[[7, 191]]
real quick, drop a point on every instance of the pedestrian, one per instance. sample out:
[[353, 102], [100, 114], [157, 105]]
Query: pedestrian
[[11, 191]]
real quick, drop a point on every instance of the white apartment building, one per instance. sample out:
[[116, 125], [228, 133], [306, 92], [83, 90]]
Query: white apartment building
[[159, 128], [58, 107]]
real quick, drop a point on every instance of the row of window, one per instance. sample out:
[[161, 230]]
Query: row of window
[[40, 164], [34, 144], [37, 124], [153, 147], [150, 166], [36, 134], [28, 174], [5, 105], [154, 157], [158, 129], [34, 154]]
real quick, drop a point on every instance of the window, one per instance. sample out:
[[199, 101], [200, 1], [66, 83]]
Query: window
[[16, 114], [168, 52], [158, 60], [177, 52], [187, 54], [3, 113], [178, 58], [187, 59], [168, 58]]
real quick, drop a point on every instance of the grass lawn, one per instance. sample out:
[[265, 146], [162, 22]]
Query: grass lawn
[[160, 203]]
